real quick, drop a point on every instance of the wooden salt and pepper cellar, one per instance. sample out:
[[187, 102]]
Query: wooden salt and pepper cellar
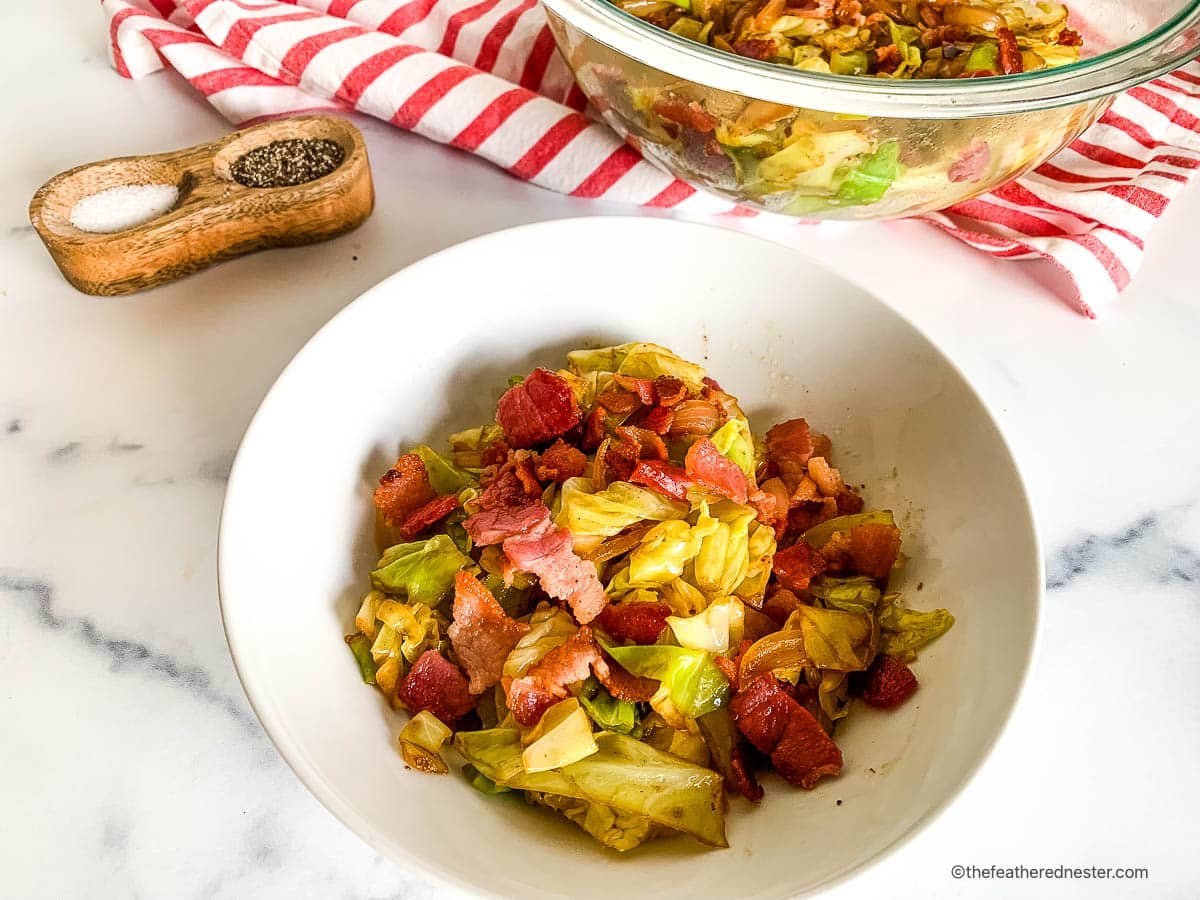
[[215, 217]]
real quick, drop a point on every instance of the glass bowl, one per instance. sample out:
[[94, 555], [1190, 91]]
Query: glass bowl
[[858, 147]]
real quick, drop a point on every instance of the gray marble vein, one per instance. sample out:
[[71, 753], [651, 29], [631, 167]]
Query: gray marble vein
[[1148, 547], [36, 596]]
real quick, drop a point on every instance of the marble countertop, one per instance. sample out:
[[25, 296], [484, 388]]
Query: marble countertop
[[130, 763]]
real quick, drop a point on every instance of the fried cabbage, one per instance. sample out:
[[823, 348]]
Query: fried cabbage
[[690, 677], [444, 476], [724, 556], [422, 571], [421, 742], [843, 641], [638, 360], [905, 631], [717, 629], [549, 627], [630, 777], [606, 710], [604, 513]]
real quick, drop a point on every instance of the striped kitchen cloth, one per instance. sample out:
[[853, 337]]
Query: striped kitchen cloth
[[484, 76]]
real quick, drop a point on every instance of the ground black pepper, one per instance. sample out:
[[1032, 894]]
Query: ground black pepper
[[287, 163]]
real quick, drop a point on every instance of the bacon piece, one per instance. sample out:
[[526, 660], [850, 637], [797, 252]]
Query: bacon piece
[[658, 419], [728, 668], [642, 387], [547, 680], [741, 778], [649, 444], [669, 390], [772, 502], [493, 526], [664, 477], [688, 114], [641, 623], [869, 549], [789, 446], [494, 454], [424, 516], [438, 685], [540, 408], [888, 683], [776, 724], [508, 489], [796, 566], [705, 463], [620, 456], [547, 554], [754, 48], [780, 605], [1010, 54], [1069, 37], [887, 58], [848, 12], [402, 489], [560, 462], [622, 684], [972, 164], [830, 484], [617, 401], [482, 633], [593, 428]]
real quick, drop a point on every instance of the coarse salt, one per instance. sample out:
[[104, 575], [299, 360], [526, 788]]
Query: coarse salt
[[123, 207]]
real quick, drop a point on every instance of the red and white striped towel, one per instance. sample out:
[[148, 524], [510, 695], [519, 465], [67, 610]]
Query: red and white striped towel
[[483, 76]]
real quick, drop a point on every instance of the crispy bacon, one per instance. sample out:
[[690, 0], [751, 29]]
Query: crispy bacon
[[669, 390], [830, 484], [776, 724], [402, 489], [796, 566], [728, 668], [540, 408], [641, 623], [1010, 54], [888, 683], [493, 526], [741, 778], [560, 462], [508, 489], [887, 58], [424, 516], [649, 444], [780, 605], [664, 477], [789, 447], [1069, 37], [706, 465], [755, 48], [483, 634], [617, 401], [869, 549], [438, 685], [642, 387], [622, 684], [689, 114], [593, 428], [620, 457], [658, 419], [547, 680], [494, 454], [547, 554]]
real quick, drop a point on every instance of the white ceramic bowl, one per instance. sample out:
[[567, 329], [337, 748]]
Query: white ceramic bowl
[[428, 350]]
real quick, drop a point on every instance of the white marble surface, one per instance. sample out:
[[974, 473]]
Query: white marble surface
[[130, 764]]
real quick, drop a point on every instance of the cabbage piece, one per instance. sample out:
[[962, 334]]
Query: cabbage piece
[[625, 774], [482, 783], [606, 512], [843, 641], [831, 694], [467, 446], [724, 556], [611, 827], [421, 742], [562, 736], [870, 179], [638, 360], [549, 627], [365, 619], [666, 549], [606, 710], [818, 536], [423, 571], [387, 676], [717, 629], [683, 740], [735, 442], [408, 630], [444, 476], [360, 646], [690, 677], [514, 598], [587, 386], [858, 594], [812, 159], [684, 598], [905, 631], [761, 552]]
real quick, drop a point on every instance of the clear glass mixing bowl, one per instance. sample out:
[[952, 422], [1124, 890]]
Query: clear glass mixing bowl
[[913, 145]]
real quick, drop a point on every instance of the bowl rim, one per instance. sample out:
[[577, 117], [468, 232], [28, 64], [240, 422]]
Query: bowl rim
[[330, 796], [1163, 49]]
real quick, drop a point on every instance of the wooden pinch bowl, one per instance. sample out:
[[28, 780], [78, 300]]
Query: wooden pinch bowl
[[215, 217]]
